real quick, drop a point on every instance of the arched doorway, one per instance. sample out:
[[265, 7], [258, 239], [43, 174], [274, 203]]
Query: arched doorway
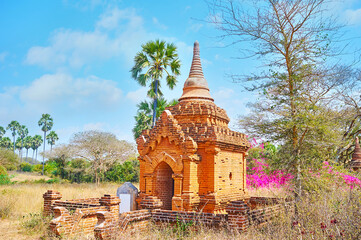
[[164, 184]]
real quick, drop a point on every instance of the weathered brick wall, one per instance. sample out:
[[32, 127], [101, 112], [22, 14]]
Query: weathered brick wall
[[100, 216], [78, 215]]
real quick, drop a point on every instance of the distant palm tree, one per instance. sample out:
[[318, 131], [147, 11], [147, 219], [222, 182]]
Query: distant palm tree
[[156, 57], [27, 145], [5, 142], [22, 132], [46, 123], [13, 126], [36, 143], [2, 132], [52, 138], [18, 145]]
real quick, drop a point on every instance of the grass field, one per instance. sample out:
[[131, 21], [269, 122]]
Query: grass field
[[330, 214], [22, 204]]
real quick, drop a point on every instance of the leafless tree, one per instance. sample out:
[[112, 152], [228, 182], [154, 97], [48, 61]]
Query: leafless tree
[[101, 149], [298, 42]]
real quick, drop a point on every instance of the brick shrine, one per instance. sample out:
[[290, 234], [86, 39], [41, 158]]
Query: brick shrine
[[191, 160]]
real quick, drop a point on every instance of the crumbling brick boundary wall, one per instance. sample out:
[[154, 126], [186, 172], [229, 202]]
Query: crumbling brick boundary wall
[[78, 215], [100, 216]]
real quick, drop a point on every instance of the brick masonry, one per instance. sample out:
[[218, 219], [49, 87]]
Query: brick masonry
[[100, 216], [78, 215]]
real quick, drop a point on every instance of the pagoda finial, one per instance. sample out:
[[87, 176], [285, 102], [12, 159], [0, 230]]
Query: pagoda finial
[[196, 68], [196, 86]]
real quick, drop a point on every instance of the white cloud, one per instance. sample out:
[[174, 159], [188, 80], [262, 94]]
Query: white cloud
[[85, 5], [158, 24], [223, 93], [137, 95], [52, 90], [110, 38], [3, 55], [94, 126], [115, 18], [353, 16], [195, 27]]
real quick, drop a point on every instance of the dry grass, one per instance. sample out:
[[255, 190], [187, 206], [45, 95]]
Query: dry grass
[[22, 176], [21, 204], [317, 213], [27, 198]]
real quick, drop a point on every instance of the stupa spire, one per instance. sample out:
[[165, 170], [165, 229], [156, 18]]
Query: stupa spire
[[196, 68], [196, 86]]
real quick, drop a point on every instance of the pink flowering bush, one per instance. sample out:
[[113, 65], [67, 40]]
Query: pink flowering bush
[[331, 174], [260, 176]]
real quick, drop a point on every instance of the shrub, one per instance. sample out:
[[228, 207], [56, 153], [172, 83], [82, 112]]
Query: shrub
[[38, 168], [126, 172], [259, 175], [8, 159], [7, 204], [26, 167], [3, 171], [35, 223], [4, 179]]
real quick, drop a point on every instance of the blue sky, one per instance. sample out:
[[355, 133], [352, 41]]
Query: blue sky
[[71, 59]]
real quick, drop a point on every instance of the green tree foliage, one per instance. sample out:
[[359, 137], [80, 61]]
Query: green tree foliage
[[90, 155], [157, 58], [18, 145], [52, 138], [46, 123], [2, 132], [28, 140], [125, 172], [36, 143], [22, 132], [8, 159], [26, 167], [5, 142], [13, 127], [143, 119], [298, 87]]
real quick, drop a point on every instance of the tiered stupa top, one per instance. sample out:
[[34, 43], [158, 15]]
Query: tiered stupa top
[[196, 86]]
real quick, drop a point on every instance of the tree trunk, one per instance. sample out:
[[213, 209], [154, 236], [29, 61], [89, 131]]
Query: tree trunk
[[298, 187], [33, 154], [14, 144], [26, 159], [44, 151], [21, 153], [51, 147], [36, 154], [155, 103]]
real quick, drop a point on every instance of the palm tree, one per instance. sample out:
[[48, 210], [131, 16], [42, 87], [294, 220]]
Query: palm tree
[[143, 119], [46, 123], [2, 132], [52, 137], [13, 126], [22, 132], [156, 57], [5, 142], [27, 144], [18, 145], [36, 143]]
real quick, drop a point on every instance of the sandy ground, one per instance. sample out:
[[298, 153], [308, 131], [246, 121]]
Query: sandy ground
[[10, 229]]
